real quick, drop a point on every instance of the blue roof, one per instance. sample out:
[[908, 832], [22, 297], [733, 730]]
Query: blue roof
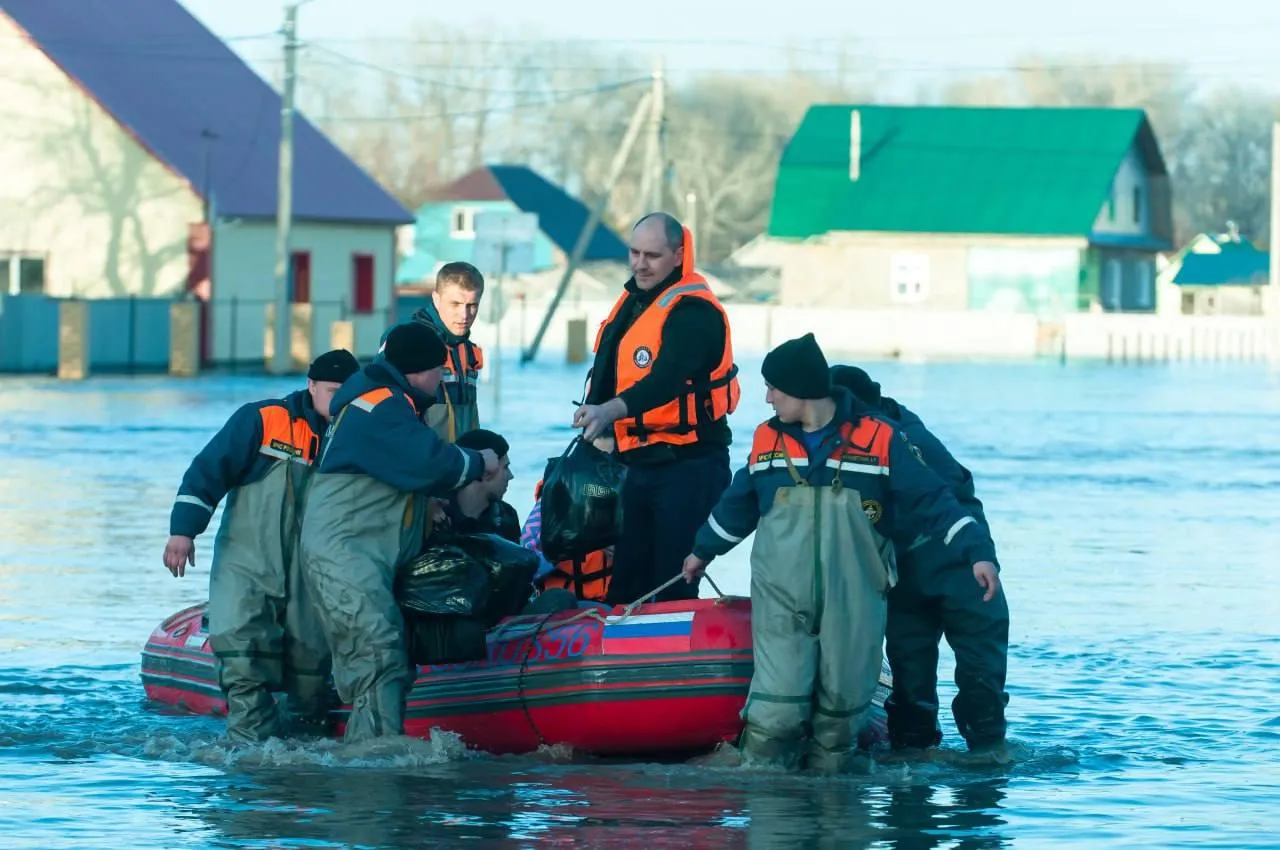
[[167, 79], [560, 215], [1238, 267]]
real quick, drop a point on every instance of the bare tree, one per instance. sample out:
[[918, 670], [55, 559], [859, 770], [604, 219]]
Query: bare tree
[[1223, 163]]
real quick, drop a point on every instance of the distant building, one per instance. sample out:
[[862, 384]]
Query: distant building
[[1036, 210], [1216, 275], [139, 157], [1189, 284], [445, 227]]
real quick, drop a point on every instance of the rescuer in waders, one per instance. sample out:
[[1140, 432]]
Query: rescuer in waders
[[827, 487], [662, 385], [939, 595], [366, 516], [262, 623]]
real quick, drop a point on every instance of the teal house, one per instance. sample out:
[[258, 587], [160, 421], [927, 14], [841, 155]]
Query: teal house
[[444, 230], [1046, 211]]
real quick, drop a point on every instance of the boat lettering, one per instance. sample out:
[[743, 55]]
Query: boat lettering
[[557, 645]]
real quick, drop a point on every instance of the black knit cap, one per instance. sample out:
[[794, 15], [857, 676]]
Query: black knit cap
[[798, 368], [413, 348], [857, 382], [481, 439], [335, 366]]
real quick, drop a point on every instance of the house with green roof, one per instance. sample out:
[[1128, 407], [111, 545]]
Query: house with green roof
[[1032, 210]]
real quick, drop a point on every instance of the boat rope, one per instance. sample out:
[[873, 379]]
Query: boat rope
[[524, 668]]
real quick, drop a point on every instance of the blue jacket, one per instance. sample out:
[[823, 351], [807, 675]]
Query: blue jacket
[[241, 453], [941, 461], [382, 435], [910, 501]]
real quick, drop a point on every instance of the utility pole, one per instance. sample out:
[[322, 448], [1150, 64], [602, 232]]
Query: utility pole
[[1271, 301], [643, 108], [282, 354], [658, 137]]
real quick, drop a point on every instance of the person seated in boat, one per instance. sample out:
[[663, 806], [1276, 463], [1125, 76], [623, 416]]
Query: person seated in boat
[[478, 508], [366, 517], [828, 487], [586, 578], [261, 462], [937, 596]]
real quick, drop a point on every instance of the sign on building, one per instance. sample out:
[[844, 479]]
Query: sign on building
[[505, 241]]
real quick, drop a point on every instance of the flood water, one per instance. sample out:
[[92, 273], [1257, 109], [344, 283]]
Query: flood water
[[1134, 509]]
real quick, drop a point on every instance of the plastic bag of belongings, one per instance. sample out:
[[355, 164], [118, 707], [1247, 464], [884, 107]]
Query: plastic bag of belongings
[[457, 589], [581, 502]]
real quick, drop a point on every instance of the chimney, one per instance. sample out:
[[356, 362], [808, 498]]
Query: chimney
[[855, 145]]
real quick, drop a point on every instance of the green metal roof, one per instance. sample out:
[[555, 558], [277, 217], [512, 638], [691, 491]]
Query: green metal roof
[[946, 169]]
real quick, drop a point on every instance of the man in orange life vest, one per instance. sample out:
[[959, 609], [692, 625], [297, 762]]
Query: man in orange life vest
[[662, 385], [366, 516], [828, 488], [262, 624]]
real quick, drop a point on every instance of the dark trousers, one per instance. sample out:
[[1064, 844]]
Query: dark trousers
[[663, 506], [924, 607]]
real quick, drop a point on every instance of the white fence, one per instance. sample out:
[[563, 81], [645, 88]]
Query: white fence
[[934, 335]]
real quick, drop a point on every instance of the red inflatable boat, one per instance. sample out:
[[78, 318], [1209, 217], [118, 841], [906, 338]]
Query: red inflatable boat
[[670, 677]]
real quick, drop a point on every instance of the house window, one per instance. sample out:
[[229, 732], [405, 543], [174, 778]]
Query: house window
[[1188, 303], [362, 283], [909, 278], [1111, 206], [22, 275], [462, 224], [1112, 277], [1137, 205], [300, 275]]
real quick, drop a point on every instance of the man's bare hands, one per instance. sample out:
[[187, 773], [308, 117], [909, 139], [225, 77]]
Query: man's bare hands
[[179, 552], [984, 572]]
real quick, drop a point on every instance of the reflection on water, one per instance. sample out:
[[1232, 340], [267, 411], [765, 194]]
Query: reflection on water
[[1134, 512]]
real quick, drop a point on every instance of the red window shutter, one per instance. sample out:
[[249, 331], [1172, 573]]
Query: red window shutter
[[362, 283], [300, 270]]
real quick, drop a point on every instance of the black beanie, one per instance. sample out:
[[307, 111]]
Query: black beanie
[[857, 382], [481, 439], [798, 368], [335, 366], [413, 348]]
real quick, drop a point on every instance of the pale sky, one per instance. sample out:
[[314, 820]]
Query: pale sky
[[918, 39]]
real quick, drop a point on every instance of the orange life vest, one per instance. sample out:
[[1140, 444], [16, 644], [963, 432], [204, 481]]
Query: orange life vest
[[468, 358], [676, 421], [862, 449], [287, 437], [587, 577]]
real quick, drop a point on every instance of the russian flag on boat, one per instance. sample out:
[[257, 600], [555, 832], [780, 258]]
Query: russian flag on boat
[[644, 634]]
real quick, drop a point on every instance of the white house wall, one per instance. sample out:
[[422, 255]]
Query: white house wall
[[244, 258], [79, 191]]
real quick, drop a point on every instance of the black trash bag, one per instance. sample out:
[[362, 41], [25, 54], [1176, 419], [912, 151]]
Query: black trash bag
[[480, 575], [581, 502], [443, 580], [510, 568]]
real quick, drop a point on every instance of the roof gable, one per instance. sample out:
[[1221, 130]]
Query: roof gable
[[171, 82], [930, 169], [560, 215]]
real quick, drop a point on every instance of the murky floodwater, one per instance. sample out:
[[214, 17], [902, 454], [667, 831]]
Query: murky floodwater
[[1134, 510]]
